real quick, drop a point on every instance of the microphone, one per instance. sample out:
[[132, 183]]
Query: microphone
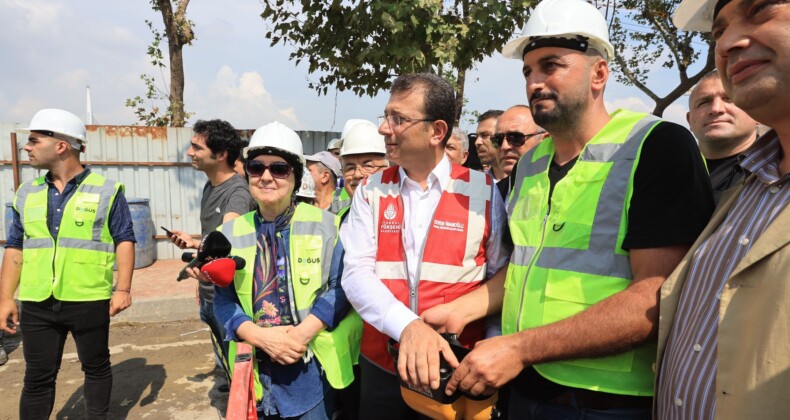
[[214, 245], [221, 271]]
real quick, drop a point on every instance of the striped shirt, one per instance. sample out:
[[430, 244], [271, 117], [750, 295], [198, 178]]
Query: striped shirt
[[687, 381]]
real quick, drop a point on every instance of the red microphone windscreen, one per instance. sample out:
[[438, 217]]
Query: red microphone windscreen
[[220, 271]]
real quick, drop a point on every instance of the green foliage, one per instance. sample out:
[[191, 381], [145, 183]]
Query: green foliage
[[360, 45]]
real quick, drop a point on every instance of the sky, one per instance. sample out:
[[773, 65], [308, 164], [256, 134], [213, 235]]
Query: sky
[[53, 49]]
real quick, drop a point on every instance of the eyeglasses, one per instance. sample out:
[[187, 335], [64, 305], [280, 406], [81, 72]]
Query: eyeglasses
[[514, 138], [256, 168], [364, 169], [394, 121]]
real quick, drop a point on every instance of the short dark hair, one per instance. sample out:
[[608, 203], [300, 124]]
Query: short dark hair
[[439, 96], [220, 137], [491, 113]]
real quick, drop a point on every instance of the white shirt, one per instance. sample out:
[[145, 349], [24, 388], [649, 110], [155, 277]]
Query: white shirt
[[369, 296]]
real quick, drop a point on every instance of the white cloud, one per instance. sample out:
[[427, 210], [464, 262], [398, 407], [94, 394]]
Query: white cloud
[[244, 101]]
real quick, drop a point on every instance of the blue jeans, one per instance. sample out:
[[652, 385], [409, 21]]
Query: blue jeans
[[528, 409], [322, 411], [217, 335]]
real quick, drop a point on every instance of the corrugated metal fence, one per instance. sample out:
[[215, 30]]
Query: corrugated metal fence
[[150, 161]]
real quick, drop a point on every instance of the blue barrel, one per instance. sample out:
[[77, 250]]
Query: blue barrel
[[144, 231]]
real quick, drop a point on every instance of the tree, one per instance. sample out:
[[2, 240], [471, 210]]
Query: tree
[[361, 45], [179, 32], [643, 34]]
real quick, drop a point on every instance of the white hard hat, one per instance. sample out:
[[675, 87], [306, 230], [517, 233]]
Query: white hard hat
[[307, 189], [60, 122], [696, 15], [363, 138], [334, 144], [571, 20], [353, 123], [275, 138]]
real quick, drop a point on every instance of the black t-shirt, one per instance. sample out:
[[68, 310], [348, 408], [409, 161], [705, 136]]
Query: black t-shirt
[[724, 174], [672, 200]]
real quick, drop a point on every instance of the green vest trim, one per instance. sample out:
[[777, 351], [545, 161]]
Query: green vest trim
[[569, 258], [312, 240], [77, 266]]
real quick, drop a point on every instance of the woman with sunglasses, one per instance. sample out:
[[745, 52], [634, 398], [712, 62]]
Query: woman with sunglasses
[[287, 302]]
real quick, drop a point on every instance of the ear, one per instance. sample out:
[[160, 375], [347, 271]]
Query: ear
[[466, 156], [599, 75], [223, 155], [440, 130], [688, 120]]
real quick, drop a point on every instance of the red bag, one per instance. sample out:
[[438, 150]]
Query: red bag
[[241, 401]]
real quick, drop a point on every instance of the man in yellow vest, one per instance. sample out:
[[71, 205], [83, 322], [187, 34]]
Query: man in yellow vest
[[69, 228], [601, 213]]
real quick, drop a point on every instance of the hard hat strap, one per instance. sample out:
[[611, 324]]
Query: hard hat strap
[[579, 43]]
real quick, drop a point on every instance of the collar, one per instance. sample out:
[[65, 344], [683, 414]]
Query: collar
[[76, 180], [440, 174], [762, 159]]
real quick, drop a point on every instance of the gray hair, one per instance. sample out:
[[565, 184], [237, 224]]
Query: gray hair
[[462, 138]]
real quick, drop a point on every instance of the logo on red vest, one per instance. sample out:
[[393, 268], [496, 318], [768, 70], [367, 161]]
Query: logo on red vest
[[445, 225], [390, 212], [390, 224]]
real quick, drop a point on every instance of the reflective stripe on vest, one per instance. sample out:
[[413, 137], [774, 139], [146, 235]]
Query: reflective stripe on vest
[[78, 265], [340, 201], [452, 260], [569, 258], [312, 239]]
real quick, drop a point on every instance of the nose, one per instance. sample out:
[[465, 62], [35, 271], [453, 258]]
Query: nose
[[190, 152], [384, 127], [717, 106], [730, 40]]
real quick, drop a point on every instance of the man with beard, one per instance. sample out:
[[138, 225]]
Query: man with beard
[[724, 350], [723, 130], [601, 213]]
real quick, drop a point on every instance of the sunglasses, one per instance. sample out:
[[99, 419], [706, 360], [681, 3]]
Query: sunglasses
[[514, 138], [256, 168]]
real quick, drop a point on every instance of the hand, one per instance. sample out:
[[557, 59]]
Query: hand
[[183, 240], [307, 330], [278, 344], [197, 274], [8, 310], [119, 302], [493, 363], [444, 319], [419, 352]]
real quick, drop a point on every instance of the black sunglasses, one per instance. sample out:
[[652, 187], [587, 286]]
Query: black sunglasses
[[256, 168], [514, 138]]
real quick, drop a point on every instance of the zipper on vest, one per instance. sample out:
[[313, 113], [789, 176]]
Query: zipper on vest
[[529, 268]]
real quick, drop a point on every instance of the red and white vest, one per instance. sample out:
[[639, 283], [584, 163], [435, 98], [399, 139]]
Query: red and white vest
[[453, 260]]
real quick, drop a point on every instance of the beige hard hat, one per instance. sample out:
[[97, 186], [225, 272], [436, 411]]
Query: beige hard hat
[[363, 138], [697, 15]]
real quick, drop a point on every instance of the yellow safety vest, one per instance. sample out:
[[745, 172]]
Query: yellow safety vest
[[568, 256], [312, 240], [77, 266]]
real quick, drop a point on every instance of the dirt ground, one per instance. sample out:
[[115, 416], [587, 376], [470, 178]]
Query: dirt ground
[[160, 371]]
